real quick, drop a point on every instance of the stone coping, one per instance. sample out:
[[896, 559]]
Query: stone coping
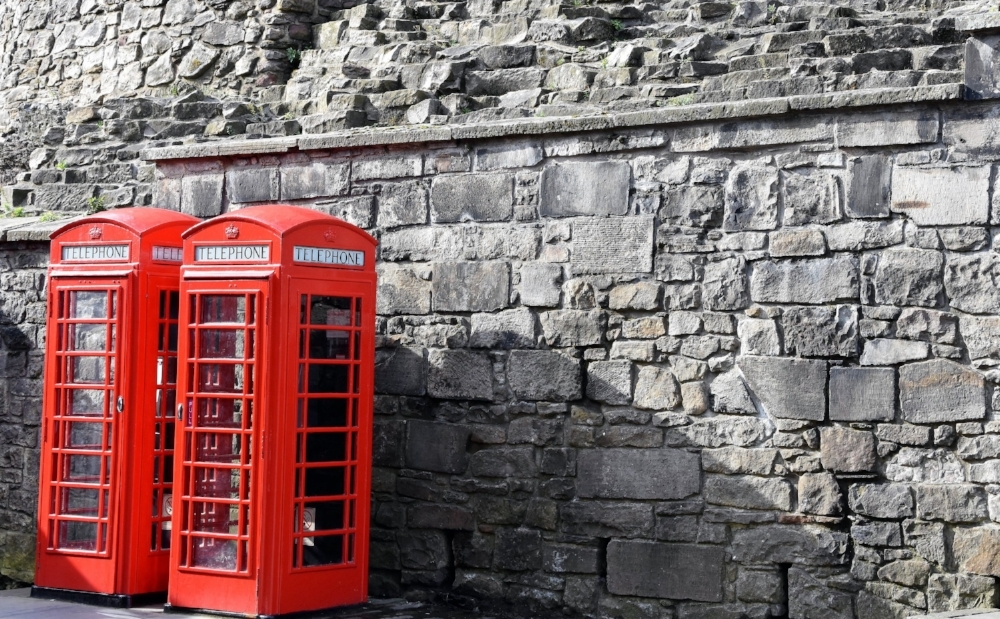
[[382, 136], [978, 613], [32, 228]]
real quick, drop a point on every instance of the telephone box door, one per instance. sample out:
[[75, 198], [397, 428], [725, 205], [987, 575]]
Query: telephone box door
[[81, 450], [327, 444], [218, 444]]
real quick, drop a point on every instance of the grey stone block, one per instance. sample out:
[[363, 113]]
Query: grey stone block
[[446, 517], [948, 591], [541, 284], [972, 282], [507, 329], [400, 371], [638, 295], [809, 198], [847, 451], [544, 375], [941, 391], [517, 549], [437, 447], [859, 235], [819, 280], [508, 156], [749, 492], [693, 206], [657, 570], [952, 503], [819, 493], [787, 388], [384, 168], [862, 394], [656, 389], [570, 558], [730, 395], [725, 286], [798, 544], [881, 500], [471, 286], [868, 192], [616, 245], [571, 189], [459, 375], [660, 474], [942, 196], [472, 197], [876, 534], [882, 129], [883, 351], [201, 195], [981, 64], [909, 277], [592, 518], [796, 243], [314, 181], [751, 198], [252, 185], [504, 462], [572, 327], [821, 331], [402, 204], [813, 595], [401, 291], [610, 381], [387, 443]]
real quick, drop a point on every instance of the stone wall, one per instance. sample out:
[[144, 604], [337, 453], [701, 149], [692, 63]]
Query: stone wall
[[712, 370]]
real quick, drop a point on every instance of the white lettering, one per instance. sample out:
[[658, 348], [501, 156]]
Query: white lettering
[[96, 253], [168, 254], [232, 253], [332, 257]]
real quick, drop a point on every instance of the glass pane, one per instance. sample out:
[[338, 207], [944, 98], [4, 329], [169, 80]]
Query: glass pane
[[221, 344], [87, 402], [327, 378], [329, 344], [217, 483], [330, 311], [223, 308], [88, 337], [215, 517], [83, 468], [218, 447], [79, 502], [77, 536], [325, 481], [357, 312], [213, 554], [174, 304], [327, 413], [86, 370], [88, 304], [325, 550], [326, 447], [220, 413], [326, 516], [84, 435], [220, 378]]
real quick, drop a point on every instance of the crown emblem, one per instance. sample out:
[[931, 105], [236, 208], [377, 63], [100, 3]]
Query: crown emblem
[[329, 234], [95, 232], [232, 231]]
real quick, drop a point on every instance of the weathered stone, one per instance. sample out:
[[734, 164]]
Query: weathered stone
[[693, 206], [859, 235], [570, 558], [402, 291], [677, 571], [820, 494], [639, 295], [927, 325], [888, 128], [544, 375], [890, 352], [942, 196], [540, 284], [504, 462], [616, 245], [868, 194], [656, 389], [694, 397], [572, 327], [323, 179], [725, 285], [952, 503], [940, 391], [871, 605], [820, 280], [610, 381], [606, 519], [983, 447], [910, 573], [964, 238], [472, 197], [749, 492], [744, 461], [809, 198], [972, 282], [795, 243], [402, 204], [809, 596], [459, 374], [881, 500], [400, 371], [759, 336], [517, 549], [201, 195], [647, 328], [862, 394], [876, 533], [917, 436], [977, 550], [718, 431], [821, 331], [730, 395], [438, 447], [662, 474], [927, 465], [507, 329], [471, 286], [198, 60], [787, 388], [253, 185], [751, 198], [960, 592], [847, 451], [926, 538], [798, 544], [585, 189], [909, 277]]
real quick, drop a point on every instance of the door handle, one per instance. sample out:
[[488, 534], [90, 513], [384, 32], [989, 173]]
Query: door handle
[[120, 406], [180, 411]]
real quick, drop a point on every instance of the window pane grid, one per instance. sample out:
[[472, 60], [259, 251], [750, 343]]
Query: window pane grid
[[166, 400]]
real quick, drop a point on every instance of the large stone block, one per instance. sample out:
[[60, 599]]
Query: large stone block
[[610, 381], [638, 295], [881, 500], [981, 335], [731, 460], [868, 192], [939, 390], [660, 474], [909, 277], [201, 195], [859, 235], [314, 181], [883, 351], [572, 327], [749, 492], [504, 462], [544, 375], [471, 286], [787, 388], [459, 375], [693, 206], [586, 188], [402, 291], [812, 595], [799, 544], [437, 447], [887, 128], [952, 503], [616, 245], [862, 394], [517, 549], [819, 493], [507, 329], [942, 196], [595, 519], [400, 371], [751, 198], [540, 284], [847, 451], [972, 281], [252, 185], [656, 389], [820, 280], [402, 204], [960, 591], [821, 331], [472, 197], [809, 198], [725, 285], [657, 570]]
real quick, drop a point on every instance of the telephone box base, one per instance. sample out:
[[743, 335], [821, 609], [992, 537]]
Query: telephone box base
[[306, 614], [109, 600]]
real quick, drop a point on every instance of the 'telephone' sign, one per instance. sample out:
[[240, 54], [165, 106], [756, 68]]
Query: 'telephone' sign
[[331, 257], [232, 253], [96, 253]]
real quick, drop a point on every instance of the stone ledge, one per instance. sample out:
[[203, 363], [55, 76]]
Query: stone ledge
[[537, 126], [979, 613], [979, 22], [32, 229]]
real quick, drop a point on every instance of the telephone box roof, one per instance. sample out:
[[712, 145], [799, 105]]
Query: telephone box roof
[[280, 219], [138, 219]]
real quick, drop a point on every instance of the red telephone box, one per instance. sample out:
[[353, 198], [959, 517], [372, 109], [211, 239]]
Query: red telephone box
[[275, 414], [107, 430]]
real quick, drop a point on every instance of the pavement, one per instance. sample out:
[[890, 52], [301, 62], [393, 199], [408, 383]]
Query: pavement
[[15, 604]]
